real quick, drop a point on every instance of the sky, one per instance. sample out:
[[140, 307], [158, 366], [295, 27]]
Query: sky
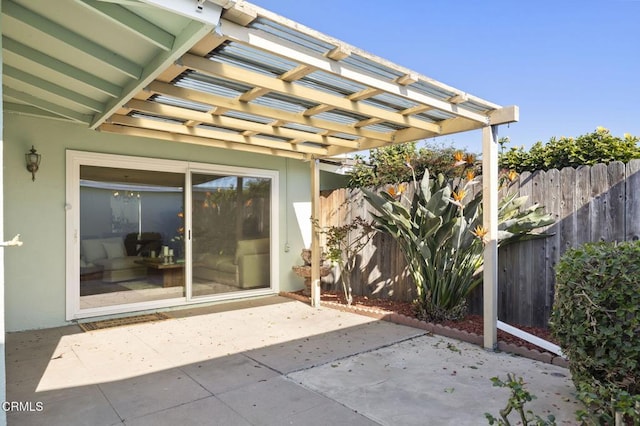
[[569, 65]]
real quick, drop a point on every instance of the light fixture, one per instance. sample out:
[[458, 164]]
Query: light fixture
[[33, 162], [124, 194]]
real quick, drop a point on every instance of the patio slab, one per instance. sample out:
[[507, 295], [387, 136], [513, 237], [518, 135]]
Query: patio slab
[[267, 361]]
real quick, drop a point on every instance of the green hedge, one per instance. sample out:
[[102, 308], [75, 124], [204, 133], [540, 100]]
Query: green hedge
[[596, 320]]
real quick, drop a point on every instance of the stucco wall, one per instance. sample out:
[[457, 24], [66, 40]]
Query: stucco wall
[[35, 272]]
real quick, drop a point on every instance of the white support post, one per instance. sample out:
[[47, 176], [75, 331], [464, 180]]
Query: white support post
[[315, 235], [490, 223]]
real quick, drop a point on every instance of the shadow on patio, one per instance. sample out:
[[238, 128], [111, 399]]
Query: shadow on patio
[[268, 361]]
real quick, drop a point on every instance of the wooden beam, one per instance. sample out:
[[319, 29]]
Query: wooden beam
[[364, 94], [416, 109], [244, 76], [252, 94], [318, 109], [338, 53], [232, 104], [272, 44], [156, 134], [407, 79], [187, 115], [458, 99], [190, 34], [109, 59], [214, 134], [84, 78], [368, 122], [504, 115], [296, 73], [62, 92], [132, 23]]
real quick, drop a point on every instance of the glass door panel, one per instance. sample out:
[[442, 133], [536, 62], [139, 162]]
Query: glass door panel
[[231, 217], [127, 218]]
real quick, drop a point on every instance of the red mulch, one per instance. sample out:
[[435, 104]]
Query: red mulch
[[471, 323]]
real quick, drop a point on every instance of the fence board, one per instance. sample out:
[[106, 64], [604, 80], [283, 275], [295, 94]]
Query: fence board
[[632, 203], [553, 204], [590, 204]]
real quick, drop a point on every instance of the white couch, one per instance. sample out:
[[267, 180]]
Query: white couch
[[248, 267], [110, 256]]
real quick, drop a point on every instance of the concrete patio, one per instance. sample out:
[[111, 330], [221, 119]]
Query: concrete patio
[[269, 361]]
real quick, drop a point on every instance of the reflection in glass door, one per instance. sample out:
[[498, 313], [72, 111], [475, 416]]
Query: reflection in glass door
[[127, 218], [231, 217]]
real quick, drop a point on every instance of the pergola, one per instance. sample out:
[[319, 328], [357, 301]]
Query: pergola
[[228, 74]]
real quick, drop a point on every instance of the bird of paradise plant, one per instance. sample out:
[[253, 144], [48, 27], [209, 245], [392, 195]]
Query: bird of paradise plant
[[440, 233]]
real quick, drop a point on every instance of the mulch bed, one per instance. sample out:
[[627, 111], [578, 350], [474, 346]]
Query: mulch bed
[[471, 324]]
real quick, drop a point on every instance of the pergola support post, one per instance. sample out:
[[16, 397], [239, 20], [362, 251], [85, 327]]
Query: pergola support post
[[490, 224], [315, 234]]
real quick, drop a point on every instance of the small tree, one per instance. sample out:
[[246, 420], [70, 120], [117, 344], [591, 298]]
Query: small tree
[[343, 243]]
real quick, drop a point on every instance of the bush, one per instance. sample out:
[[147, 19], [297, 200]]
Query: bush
[[586, 150], [596, 320], [388, 165]]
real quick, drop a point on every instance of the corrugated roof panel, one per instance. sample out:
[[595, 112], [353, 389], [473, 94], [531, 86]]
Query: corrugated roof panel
[[431, 90], [328, 83], [219, 129], [212, 85], [341, 117], [301, 127], [345, 136], [248, 117], [155, 118], [435, 115], [167, 100], [393, 102], [370, 67], [384, 127], [272, 138], [252, 59], [286, 103], [475, 106], [291, 35]]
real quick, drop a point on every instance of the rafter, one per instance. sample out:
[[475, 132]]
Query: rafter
[[214, 134], [263, 41], [155, 134], [262, 111], [107, 57], [81, 76], [45, 105], [238, 74], [54, 89], [235, 123], [131, 22], [193, 32]]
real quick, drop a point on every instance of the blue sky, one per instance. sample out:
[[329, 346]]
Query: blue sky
[[570, 65]]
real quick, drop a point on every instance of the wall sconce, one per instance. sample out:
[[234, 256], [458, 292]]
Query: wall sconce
[[33, 162]]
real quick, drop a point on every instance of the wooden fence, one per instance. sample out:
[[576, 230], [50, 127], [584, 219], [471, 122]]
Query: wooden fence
[[598, 203]]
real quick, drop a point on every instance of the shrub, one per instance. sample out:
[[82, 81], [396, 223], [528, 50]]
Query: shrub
[[388, 165], [585, 150], [596, 320]]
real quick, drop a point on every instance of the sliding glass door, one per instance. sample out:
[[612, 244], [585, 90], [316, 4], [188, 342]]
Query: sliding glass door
[[231, 233], [145, 233]]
